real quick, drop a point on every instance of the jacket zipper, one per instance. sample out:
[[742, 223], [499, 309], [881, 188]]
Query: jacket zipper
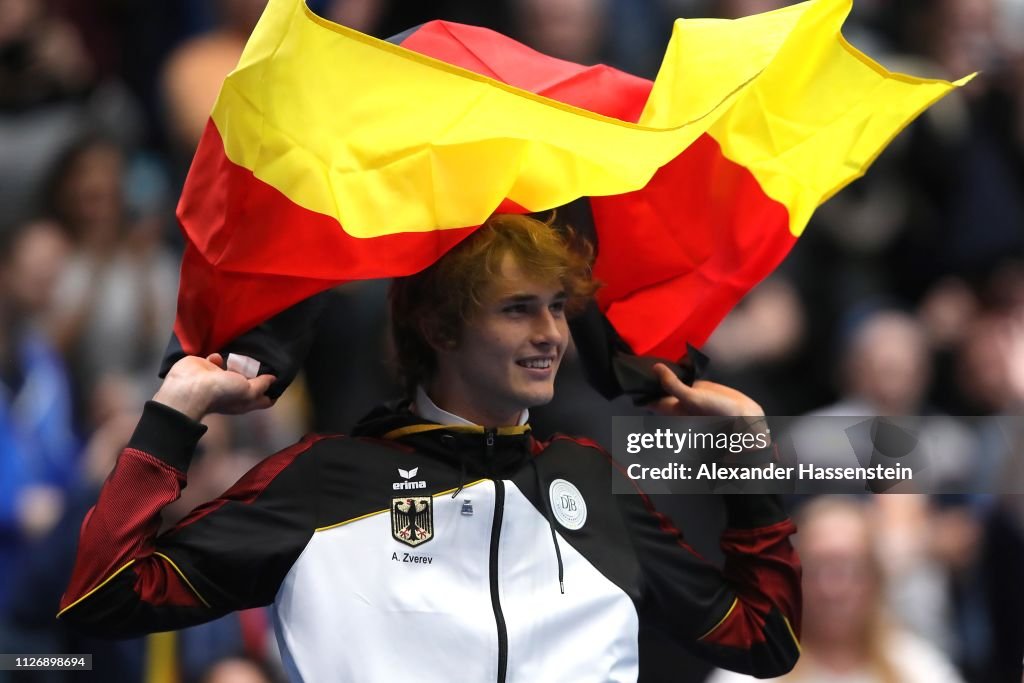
[[499, 506]]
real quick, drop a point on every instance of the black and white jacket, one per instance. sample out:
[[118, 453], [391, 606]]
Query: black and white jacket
[[417, 551]]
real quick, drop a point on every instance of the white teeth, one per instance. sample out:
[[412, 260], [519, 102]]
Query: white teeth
[[538, 363]]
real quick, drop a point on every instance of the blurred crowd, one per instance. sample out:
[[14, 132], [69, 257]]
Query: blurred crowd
[[904, 297]]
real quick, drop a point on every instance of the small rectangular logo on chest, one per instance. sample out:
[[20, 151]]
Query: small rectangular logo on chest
[[412, 519]]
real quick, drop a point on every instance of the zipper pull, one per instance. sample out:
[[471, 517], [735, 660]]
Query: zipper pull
[[489, 442]]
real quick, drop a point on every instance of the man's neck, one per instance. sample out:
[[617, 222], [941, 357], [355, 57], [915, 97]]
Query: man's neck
[[427, 408]]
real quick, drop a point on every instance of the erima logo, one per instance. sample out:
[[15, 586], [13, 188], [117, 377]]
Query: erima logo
[[407, 475]]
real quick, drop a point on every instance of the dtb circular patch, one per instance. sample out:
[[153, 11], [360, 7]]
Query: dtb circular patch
[[567, 504]]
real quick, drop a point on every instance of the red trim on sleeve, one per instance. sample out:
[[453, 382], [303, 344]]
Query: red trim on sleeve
[[123, 523], [157, 583], [254, 482]]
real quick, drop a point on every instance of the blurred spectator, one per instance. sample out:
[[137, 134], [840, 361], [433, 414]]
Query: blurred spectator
[[236, 670], [116, 300], [956, 537], [568, 29], [48, 96], [733, 9], [42, 72], [195, 70], [362, 15], [885, 368], [1004, 565], [848, 635], [775, 315], [947, 311], [965, 171], [990, 372], [983, 375], [43, 57], [38, 449]]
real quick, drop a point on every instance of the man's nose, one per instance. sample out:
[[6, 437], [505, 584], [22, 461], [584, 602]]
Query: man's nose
[[548, 329]]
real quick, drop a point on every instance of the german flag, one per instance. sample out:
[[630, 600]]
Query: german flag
[[331, 156]]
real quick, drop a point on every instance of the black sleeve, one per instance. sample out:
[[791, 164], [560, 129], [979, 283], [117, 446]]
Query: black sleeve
[[744, 617]]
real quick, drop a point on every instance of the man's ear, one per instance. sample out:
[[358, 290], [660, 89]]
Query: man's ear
[[439, 338]]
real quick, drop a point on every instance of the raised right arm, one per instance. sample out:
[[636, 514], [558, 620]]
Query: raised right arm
[[231, 553]]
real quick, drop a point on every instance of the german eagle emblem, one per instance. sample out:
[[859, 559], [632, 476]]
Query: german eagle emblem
[[412, 520]]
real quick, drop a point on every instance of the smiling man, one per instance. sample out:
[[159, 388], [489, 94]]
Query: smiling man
[[441, 521]]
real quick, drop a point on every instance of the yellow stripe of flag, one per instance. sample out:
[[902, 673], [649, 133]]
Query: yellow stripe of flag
[[818, 112], [312, 110]]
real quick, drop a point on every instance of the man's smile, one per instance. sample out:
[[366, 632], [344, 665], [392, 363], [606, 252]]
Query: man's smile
[[537, 362]]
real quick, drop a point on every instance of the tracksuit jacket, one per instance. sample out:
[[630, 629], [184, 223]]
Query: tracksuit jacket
[[413, 551]]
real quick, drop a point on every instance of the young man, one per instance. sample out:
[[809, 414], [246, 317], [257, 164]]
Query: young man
[[440, 541]]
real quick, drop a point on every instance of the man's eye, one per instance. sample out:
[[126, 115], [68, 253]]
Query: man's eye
[[515, 308], [557, 307]]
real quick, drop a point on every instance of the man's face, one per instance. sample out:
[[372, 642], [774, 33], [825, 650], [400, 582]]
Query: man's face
[[508, 354]]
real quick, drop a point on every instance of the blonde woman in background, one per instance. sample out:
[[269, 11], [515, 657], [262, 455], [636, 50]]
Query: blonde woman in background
[[847, 635]]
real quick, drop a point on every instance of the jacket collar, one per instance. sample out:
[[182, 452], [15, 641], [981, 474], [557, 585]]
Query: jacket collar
[[425, 407], [489, 452]]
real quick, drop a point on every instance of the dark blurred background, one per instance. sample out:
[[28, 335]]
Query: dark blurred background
[[904, 297]]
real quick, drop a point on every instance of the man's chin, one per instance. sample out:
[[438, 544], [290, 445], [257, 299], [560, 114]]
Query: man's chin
[[538, 398]]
